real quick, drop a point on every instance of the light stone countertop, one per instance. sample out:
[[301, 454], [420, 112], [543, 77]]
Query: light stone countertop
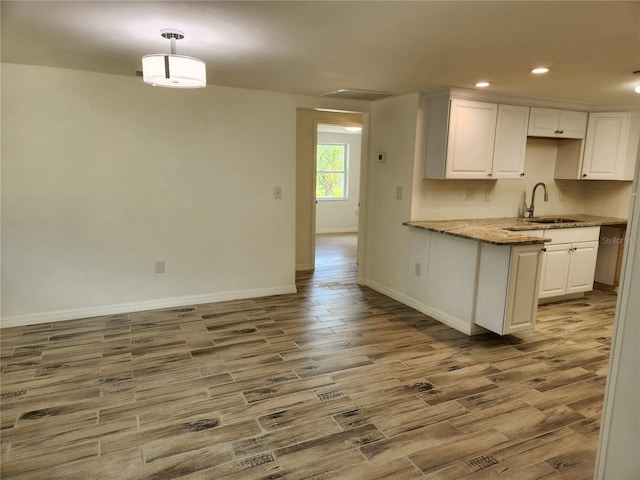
[[510, 230]]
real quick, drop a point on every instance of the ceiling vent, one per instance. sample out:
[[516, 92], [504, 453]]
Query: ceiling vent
[[357, 94]]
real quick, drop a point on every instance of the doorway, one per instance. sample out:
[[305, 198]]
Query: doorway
[[337, 190], [307, 134]]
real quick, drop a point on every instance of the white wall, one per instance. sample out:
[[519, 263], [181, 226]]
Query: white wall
[[337, 216], [102, 175], [393, 123]]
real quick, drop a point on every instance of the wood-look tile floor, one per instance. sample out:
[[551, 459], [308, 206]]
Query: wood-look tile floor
[[333, 382]]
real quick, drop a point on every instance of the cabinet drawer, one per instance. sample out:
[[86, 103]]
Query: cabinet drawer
[[572, 235]]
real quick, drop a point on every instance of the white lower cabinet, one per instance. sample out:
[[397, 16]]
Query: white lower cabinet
[[569, 262], [473, 286], [507, 293], [582, 267], [555, 270]]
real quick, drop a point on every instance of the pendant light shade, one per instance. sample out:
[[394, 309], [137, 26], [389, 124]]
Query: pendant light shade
[[171, 70]]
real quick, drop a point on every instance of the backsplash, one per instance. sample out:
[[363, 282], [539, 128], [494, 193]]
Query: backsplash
[[452, 199]]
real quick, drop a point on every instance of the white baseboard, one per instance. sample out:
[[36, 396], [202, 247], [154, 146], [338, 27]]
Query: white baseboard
[[455, 323], [62, 315], [320, 231]]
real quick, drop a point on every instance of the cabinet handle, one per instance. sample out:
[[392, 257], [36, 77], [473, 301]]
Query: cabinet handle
[[522, 174], [584, 175], [544, 249], [560, 132], [489, 174]]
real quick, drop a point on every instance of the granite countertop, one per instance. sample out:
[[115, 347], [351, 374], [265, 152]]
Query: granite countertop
[[510, 230]]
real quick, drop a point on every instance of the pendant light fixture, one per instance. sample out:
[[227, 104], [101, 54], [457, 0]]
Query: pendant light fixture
[[173, 71]]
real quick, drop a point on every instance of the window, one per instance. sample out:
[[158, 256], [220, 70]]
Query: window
[[331, 171]]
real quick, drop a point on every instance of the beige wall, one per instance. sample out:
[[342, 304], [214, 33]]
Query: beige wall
[[393, 131], [102, 175]]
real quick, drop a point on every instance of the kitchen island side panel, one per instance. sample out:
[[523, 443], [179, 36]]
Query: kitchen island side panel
[[451, 280], [493, 284]]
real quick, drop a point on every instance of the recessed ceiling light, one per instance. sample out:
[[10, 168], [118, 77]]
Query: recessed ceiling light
[[637, 89], [482, 84], [540, 70]]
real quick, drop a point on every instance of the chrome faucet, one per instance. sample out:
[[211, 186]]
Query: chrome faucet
[[533, 197]]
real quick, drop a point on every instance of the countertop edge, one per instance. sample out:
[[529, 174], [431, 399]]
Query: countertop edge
[[515, 238], [505, 231]]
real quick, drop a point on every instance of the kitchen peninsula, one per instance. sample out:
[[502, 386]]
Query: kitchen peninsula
[[487, 274]]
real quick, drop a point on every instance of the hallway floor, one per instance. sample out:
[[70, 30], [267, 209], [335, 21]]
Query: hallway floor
[[333, 382]]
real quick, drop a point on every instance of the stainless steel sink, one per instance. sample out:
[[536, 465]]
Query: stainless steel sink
[[550, 220]]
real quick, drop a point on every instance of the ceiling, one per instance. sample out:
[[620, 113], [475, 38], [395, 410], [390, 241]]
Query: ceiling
[[313, 47]]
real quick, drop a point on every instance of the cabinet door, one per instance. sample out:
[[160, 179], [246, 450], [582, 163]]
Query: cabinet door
[[582, 267], [552, 122], [605, 146], [522, 300], [572, 124], [472, 127], [511, 141], [543, 122], [506, 293], [555, 270]]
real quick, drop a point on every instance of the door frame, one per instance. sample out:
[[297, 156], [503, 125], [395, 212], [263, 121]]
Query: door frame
[[306, 144]]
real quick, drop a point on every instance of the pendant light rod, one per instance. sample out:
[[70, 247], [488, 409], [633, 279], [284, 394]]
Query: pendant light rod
[[172, 35]]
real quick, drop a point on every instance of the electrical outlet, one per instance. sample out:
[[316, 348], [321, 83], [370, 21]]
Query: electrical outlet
[[468, 196], [417, 269], [398, 193], [159, 266], [487, 195], [277, 193]]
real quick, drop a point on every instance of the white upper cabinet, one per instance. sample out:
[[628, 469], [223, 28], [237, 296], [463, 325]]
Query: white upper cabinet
[[471, 139], [472, 130], [610, 147], [556, 123], [511, 141], [467, 138]]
